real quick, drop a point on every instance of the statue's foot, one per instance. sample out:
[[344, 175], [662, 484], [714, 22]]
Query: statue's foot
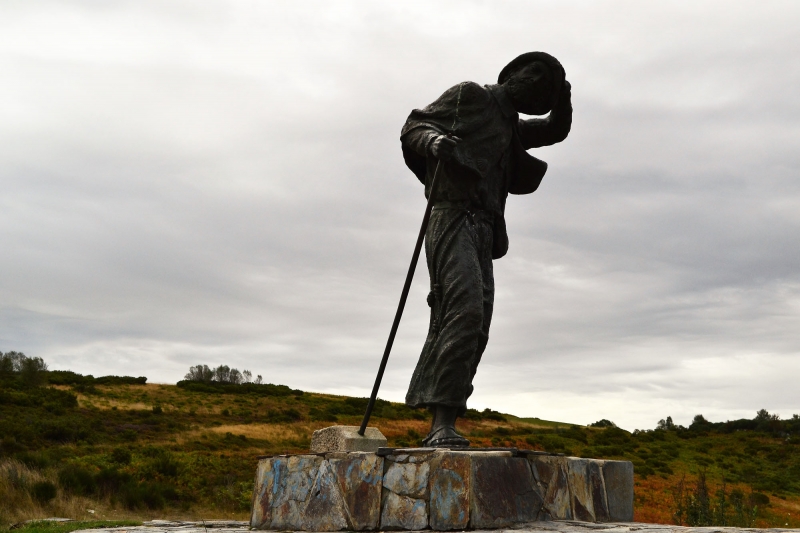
[[444, 437]]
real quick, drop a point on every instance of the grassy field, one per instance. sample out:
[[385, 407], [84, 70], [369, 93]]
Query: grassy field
[[68, 527], [117, 449]]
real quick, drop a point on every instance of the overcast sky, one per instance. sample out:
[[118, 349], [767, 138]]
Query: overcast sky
[[222, 183]]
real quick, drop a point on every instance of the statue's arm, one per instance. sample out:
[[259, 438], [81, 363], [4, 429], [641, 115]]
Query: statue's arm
[[537, 132], [420, 140]]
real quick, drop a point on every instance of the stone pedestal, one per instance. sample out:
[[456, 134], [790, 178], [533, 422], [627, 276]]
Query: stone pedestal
[[418, 488]]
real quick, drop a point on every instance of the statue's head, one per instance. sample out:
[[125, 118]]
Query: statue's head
[[533, 82]]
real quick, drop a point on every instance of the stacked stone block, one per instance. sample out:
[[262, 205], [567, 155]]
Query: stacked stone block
[[414, 489]]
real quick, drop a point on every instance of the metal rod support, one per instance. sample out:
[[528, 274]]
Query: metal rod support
[[402, 304]]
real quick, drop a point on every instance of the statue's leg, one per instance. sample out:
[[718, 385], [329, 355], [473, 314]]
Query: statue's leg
[[487, 280], [460, 314]]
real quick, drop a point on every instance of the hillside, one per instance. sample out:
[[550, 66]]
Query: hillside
[[124, 448]]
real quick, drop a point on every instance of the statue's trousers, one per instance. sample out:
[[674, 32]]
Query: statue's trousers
[[458, 247]]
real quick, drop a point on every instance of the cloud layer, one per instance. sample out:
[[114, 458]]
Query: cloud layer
[[216, 183]]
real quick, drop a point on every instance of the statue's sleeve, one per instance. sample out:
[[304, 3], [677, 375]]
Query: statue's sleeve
[[420, 139], [537, 132], [423, 126]]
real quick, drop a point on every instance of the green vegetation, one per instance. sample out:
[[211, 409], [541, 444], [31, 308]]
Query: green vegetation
[[67, 527], [122, 447], [698, 506]]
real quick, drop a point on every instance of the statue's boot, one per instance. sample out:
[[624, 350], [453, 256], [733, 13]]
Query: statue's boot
[[443, 429]]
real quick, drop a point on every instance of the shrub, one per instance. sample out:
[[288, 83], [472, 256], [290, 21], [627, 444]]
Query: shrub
[[145, 495], [33, 460], [166, 465], [110, 480], [121, 456], [43, 491], [612, 435], [288, 415], [320, 415], [77, 480], [575, 433]]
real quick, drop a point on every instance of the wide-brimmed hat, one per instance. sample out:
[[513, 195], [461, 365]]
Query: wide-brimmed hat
[[529, 57]]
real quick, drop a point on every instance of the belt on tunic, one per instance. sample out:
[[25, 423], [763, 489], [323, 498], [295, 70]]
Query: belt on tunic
[[471, 211]]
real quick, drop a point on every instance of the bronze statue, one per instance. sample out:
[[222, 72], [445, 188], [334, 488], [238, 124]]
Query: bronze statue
[[477, 134]]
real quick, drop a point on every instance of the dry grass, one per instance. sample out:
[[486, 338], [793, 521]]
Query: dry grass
[[270, 432], [169, 397], [17, 504]]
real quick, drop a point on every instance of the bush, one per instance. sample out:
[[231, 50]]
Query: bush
[[256, 389], [77, 480], [612, 435], [698, 506], [110, 481], [121, 456], [33, 460], [145, 495], [166, 465], [285, 416], [575, 433], [67, 377], [43, 491], [128, 435], [486, 414], [320, 415]]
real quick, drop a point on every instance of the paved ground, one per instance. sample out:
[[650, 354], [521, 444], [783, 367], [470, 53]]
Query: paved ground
[[227, 526]]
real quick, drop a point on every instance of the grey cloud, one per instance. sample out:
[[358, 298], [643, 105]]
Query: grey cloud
[[212, 183]]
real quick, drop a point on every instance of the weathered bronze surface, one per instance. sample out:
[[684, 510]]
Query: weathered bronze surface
[[483, 159]]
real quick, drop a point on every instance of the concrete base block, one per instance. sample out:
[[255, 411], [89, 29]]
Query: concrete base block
[[418, 488], [346, 439]]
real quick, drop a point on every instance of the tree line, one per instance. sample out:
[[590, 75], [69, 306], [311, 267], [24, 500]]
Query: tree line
[[18, 369], [764, 421], [16, 365], [221, 374]]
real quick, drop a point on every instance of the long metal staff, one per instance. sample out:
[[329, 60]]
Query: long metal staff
[[402, 303]]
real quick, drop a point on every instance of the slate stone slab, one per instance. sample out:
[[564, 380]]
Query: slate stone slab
[[324, 509], [450, 490], [585, 479], [269, 483], [412, 455], [359, 476], [403, 513], [502, 491], [407, 479], [413, 489], [291, 489], [551, 472], [303, 492], [618, 476]]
